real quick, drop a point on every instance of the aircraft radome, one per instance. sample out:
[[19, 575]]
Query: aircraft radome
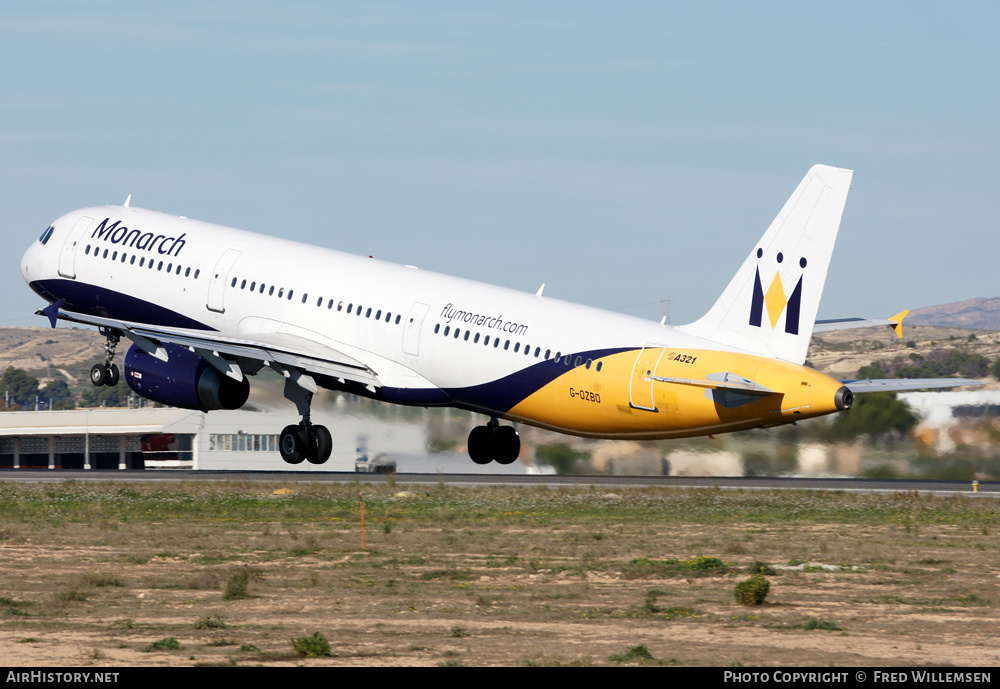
[[206, 306]]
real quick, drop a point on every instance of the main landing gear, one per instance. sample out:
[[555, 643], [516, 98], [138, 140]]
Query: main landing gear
[[494, 442], [305, 440], [107, 373]]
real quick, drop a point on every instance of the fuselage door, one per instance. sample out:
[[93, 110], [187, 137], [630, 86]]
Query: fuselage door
[[217, 285], [641, 385], [67, 258], [411, 329]]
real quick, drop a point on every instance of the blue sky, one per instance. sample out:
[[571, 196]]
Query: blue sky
[[622, 153]]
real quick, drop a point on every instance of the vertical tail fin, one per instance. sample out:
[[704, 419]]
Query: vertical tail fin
[[770, 306]]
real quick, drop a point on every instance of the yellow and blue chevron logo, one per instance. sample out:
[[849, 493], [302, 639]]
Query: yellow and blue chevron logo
[[775, 301]]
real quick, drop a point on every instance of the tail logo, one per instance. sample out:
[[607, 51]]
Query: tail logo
[[775, 300]]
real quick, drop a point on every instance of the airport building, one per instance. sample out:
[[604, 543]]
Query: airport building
[[956, 417], [157, 438]]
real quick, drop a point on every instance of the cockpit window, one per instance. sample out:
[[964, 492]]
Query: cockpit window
[[45, 235]]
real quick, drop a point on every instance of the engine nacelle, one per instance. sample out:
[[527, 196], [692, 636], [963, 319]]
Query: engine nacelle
[[186, 380]]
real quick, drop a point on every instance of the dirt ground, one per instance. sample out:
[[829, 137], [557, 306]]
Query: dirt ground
[[100, 594]]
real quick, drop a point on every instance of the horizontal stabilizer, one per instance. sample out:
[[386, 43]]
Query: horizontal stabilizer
[[904, 384], [894, 322]]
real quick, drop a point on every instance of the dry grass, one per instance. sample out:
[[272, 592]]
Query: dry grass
[[529, 577]]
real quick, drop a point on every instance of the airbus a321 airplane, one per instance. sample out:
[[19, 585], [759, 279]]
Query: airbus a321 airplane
[[206, 306]]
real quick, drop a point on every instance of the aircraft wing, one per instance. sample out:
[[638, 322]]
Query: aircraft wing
[[894, 322], [903, 384], [289, 353]]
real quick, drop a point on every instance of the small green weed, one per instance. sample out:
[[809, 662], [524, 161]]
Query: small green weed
[[636, 654], [236, 585], [315, 646], [644, 568], [758, 567], [74, 595], [214, 622], [752, 591], [677, 612], [167, 644]]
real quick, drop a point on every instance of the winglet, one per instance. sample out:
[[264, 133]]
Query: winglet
[[896, 322], [52, 311]]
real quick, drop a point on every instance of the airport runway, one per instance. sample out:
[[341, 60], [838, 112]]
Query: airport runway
[[983, 489]]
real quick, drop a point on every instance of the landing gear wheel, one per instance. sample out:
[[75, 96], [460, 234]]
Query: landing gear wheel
[[508, 445], [98, 375], [291, 446], [106, 373], [320, 445], [481, 441]]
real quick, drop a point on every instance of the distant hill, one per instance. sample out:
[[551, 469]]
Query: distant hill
[[66, 353], [980, 314]]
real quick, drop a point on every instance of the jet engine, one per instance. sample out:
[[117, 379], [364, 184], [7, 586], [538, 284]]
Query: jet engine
[[186, 380]]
